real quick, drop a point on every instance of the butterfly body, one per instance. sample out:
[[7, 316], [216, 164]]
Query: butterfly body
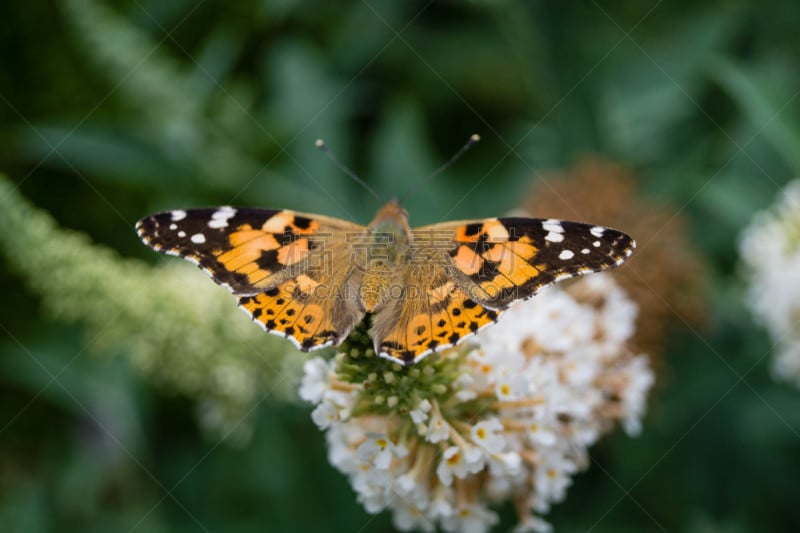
[[313, 278], [386, 253]]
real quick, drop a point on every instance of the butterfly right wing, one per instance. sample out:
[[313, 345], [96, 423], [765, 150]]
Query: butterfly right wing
[[499, 260], [286, 267], [463, 275]]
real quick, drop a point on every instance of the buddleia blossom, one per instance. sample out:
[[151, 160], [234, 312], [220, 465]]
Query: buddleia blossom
[[508, 417], [770, 250], [175, 327]]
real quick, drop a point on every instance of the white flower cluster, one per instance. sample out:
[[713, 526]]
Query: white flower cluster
[[770, 250], [532, 393]]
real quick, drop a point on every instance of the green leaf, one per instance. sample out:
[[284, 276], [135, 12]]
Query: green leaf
[[766, 100], [658, 85]]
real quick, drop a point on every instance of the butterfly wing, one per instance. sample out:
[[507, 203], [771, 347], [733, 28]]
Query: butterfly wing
[[431, 314], [281, 264], [467, 272], [498, 261]]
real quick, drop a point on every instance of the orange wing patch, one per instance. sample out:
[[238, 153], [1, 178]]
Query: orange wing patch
[[291, 311], [294, 252], [491, 230], [248, 254], [498, 262], [257, 254], [467, 261], [504, 269], [288, 222], [446, 320]]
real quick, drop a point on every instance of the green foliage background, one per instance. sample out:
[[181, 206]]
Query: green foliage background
[[113, 414]]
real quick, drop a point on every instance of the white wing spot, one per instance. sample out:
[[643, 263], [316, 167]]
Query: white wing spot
[[173, 227], [178, 215], [566, 254], [181, 234], [198, 238], [553, 226], [554, 237], [596, 244], [220, 217], [597, 231], [585, 251]]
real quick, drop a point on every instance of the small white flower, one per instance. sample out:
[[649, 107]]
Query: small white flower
[[452, 463], [371, 489], [553, 476], [533, 524], [406, 484], [420, 414], [542, 430], [411, 518], [377, 450], [474, 518], [476, 459], [315, 380], [438, 429], [325, 415], [511, 386], [506, 464], [442, 504], [487, 434], [465, 395], [578, 370], [459, 463]]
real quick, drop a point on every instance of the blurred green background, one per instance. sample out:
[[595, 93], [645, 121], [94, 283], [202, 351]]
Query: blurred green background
[[113, 110]]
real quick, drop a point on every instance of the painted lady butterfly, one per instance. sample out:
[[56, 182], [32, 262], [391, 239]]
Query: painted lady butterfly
[[313, 278]]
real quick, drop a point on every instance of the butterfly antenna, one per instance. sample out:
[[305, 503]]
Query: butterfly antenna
[[467, 145], [325, 150]]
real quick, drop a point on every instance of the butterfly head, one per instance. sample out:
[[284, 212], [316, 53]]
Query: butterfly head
[[391, 219]]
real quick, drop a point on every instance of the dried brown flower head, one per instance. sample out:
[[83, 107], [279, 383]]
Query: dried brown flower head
[[666, 276]]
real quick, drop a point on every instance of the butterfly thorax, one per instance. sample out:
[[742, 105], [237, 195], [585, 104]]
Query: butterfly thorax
[[387, 246]]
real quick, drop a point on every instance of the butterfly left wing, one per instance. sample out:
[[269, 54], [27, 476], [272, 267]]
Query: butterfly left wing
[[284, 266], [244, 249], [467, 272]]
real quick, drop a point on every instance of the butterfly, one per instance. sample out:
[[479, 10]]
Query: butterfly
[[313, 278]]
